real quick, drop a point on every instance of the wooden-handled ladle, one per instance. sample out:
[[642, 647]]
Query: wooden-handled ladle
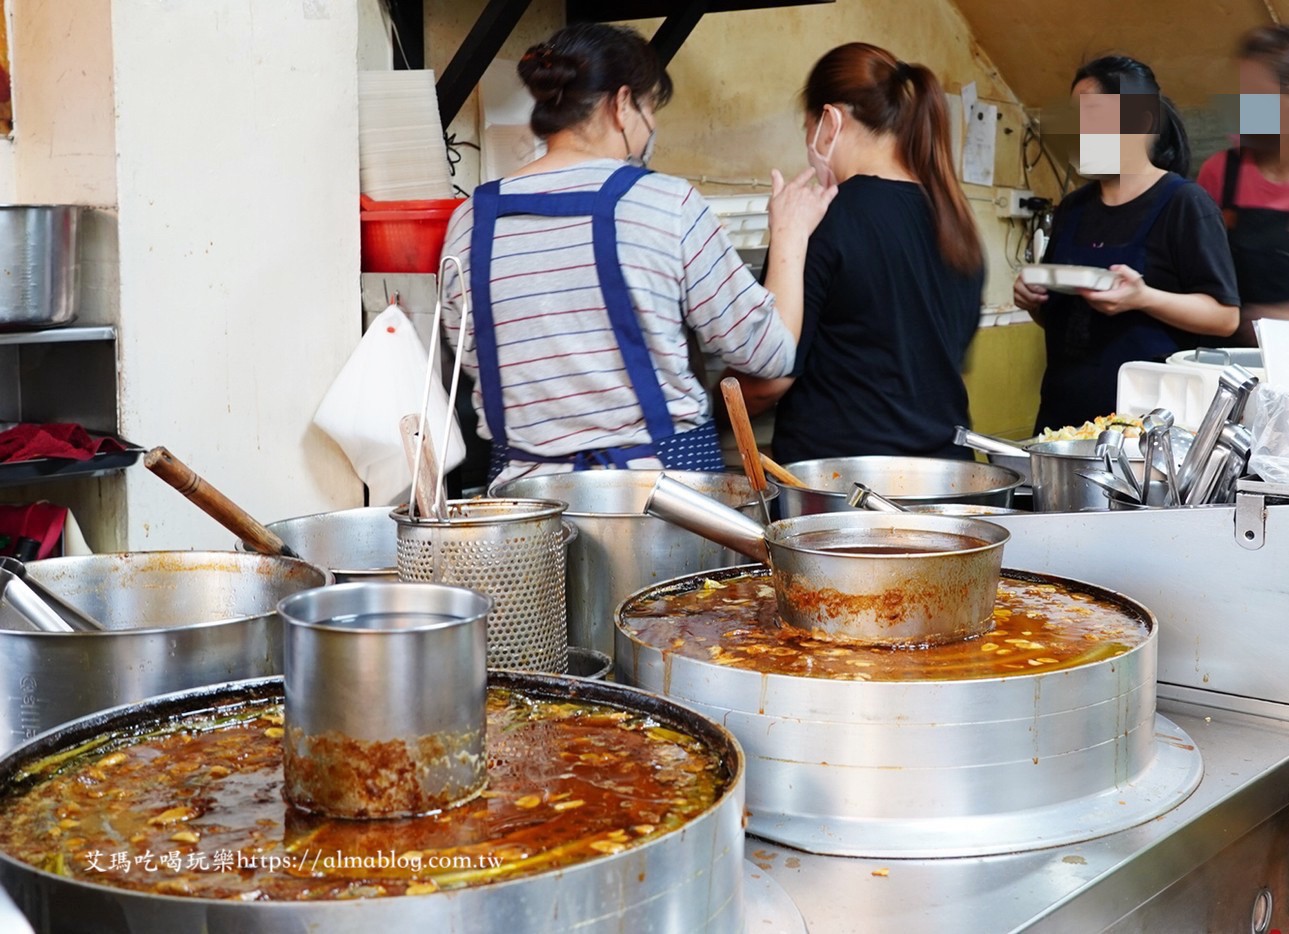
[[214, 503], [747, 448], [781, 473]]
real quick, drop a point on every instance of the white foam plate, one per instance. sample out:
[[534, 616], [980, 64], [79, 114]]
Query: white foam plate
[[1068, 279], [1144, 386]]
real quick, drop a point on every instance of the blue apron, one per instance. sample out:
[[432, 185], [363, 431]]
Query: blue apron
[[1086, 348], [698, 449]]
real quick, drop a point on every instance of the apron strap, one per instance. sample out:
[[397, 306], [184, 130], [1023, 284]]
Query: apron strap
[[1161, 202], [486, 198], [622, 314], [601, 207], [1230, 180]]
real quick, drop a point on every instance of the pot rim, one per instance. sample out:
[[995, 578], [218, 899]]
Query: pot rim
[[771, 490], [328, 579], [995, 536], [1015, 481]]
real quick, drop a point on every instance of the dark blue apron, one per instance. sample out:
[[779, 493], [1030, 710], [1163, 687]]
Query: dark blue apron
[[698, 449], [1086, 348], [1259, 239]]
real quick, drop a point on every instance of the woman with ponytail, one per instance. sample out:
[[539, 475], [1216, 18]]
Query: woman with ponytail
[[1160, 234], [893, 275]]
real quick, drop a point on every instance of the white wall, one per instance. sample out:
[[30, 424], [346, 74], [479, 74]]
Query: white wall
[[237, 185], [61, 61]]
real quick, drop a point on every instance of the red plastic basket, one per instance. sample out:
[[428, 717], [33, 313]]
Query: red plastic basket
[[404, 236]]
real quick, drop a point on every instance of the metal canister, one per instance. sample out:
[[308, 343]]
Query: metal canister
[[386, 691]]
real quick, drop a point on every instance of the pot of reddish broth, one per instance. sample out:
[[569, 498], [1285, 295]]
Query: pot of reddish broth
[[899, 579]]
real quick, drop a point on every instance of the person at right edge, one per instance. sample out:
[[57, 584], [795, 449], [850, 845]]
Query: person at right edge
[[1251, 181], [1160, 234]]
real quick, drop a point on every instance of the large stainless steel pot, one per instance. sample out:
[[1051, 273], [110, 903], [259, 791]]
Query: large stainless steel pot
[[1055, 468], [619, 549], [689, 879], [896, 579], [908, 481], [174, 620], [39, 265], [929, 768], [354, 544]]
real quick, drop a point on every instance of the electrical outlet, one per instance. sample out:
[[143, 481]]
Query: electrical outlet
[[1007, 202]]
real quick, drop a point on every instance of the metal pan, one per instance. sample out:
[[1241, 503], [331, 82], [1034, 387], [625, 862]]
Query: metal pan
[[907, 481], [880, 578], [174, 620]]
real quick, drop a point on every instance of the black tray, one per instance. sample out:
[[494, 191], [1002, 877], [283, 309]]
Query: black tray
[[57, 468]]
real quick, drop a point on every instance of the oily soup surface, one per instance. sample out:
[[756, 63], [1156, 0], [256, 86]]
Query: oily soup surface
[[735, 622], [196, 808]]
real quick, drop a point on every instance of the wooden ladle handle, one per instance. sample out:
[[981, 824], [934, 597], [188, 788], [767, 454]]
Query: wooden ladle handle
[[780, 473], [214, 503], [742, 426]]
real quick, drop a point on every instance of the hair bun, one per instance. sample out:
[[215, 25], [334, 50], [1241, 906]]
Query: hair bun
[[546, 72]]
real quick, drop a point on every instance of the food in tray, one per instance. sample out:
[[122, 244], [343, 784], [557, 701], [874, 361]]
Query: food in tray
[[1068, 279], [195, 807], [734, 621], [1088, 431]]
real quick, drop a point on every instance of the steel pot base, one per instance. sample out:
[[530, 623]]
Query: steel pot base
[[937, 768], [1173, 773]]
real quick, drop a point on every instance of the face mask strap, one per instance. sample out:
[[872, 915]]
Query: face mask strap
[[814, 143], [645, 154]]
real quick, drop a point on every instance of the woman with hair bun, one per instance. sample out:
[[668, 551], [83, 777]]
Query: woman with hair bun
[[587, 273], [1250, 182], [1140, 218], [893, 275]]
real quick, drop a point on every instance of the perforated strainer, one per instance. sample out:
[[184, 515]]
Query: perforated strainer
[[514, 551]]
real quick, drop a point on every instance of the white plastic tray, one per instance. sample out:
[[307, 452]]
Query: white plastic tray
[[1144, 386], [1068, 279], [1211, 362]]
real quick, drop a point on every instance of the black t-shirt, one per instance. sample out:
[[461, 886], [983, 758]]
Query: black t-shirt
[[887, 324], [1186, 252]]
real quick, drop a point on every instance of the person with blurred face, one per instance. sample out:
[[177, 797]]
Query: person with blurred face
[[893, 273], [1251, 181], [1160, 234]]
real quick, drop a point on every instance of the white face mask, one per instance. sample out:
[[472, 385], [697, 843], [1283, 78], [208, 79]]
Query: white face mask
[[822, 162], [1098, 155]]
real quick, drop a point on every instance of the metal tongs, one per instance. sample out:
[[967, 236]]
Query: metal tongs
[[1234, 387], [865, 497], [1115, 458], [439, 504], [41, 607]]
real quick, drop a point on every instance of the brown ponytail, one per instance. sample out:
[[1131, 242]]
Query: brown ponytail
[[890, 96]]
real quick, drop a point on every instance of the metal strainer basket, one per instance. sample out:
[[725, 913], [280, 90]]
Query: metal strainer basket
[[514, 551]]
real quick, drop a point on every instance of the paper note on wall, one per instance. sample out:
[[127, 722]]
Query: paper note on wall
[[979, 149]]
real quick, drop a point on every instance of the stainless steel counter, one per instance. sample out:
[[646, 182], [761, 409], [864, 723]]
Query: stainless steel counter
[[1085, 887]]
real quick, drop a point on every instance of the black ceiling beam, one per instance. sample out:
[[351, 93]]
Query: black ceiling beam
[[476, 53], [408, 17], [675, 29]]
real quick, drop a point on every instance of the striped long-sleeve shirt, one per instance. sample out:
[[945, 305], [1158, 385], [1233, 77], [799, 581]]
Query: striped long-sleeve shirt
[[564, 386]]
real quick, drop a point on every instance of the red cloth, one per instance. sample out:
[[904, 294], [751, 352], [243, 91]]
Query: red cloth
[[42, 522], [29, 441]]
